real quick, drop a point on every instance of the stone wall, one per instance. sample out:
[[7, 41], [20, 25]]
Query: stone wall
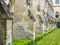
[[30, 16], [22, 24]]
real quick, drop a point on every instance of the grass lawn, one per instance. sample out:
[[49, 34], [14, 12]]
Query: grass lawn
[[51, 39]]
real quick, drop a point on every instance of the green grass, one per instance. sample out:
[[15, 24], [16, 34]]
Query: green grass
[[51, 39], [41, 36]]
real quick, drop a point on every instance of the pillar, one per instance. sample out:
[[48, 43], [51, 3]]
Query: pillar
[[34, 32], [8, 40], [43, 28]]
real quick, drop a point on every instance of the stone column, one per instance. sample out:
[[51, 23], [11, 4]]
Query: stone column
[[43, 28], [8, 40], [34, 32]]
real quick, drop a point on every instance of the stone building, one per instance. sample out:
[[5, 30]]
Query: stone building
[[50, 14], [46, 14], [56, 7], [30, 17], [25, 18]]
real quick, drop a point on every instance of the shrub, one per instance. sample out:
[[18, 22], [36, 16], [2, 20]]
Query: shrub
[[38, 37], [45, 33], [49, 31], [22, 42]]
